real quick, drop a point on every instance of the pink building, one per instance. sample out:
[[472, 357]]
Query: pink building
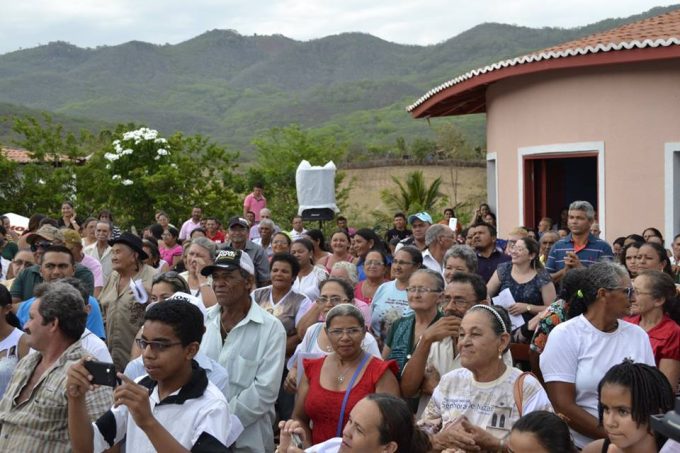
[[594, 119]]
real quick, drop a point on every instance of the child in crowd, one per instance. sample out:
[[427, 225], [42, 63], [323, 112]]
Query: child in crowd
[[629, 394], [173, 408]]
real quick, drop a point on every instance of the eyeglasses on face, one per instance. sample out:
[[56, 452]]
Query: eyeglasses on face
[[156, 346], [373, 263], [421, 290], [628, 290], [352, 332], [335, 300], [402, 263], [457, 301]]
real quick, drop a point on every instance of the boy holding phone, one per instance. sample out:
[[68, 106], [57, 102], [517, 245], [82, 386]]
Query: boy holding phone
[[173, 408]]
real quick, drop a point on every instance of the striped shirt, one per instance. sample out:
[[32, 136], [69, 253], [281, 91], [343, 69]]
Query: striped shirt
[[40, 424], [595, 250]]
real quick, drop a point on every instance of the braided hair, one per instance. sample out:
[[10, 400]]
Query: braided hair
[[650, 391]]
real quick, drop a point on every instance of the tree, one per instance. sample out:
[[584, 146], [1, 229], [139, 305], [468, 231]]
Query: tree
[[278, 152], [414, 194], [140, 172]]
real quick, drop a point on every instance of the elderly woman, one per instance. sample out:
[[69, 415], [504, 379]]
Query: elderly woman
[[347, 374], [378, 423], [266, 229], [281, 243], [390, 301], [476, 405], [459, 258], [425, 291], [334, 291], [201, 253], [580, 351], [374, 269], [309, 277], [656, 309], [530, 285], [340, 244], [87, 231], [124, 296]]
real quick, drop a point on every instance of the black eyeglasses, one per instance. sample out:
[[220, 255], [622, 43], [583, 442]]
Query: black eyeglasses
[[40, 245], [156, 346]]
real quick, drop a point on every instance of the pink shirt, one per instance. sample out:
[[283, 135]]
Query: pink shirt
[[168, 254], [187, 228], [95, 267], [253, 204]]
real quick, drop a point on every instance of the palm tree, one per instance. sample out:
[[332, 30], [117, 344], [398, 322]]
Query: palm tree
[[413, 194]]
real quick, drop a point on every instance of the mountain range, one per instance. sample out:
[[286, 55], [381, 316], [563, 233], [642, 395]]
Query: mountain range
[[233, 87]]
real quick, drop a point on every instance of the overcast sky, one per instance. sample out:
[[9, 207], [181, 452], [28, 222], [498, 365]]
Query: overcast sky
[[89, 23]]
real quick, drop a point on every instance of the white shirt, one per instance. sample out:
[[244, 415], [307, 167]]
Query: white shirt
[[104, 259], [253, 354], [294, 235], [95, 346], [489, 405], [580, 354], [431, 263], [309, 284], [204, 412]]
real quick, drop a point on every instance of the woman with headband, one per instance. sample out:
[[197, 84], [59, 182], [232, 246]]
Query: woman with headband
[[474, 407]]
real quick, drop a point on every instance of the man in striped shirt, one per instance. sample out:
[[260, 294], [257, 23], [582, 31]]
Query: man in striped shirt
[[579, 248]]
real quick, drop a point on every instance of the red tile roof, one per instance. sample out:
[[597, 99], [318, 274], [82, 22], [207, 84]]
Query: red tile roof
[[17, 155], [657, 32]]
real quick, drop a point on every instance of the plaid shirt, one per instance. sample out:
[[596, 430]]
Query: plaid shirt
[[40, 424]]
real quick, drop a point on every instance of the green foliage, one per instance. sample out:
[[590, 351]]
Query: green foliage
[[414, 194], [278, 153], [132, 172]]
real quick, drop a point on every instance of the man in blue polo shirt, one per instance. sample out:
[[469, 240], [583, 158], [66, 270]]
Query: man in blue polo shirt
[[579, 248]]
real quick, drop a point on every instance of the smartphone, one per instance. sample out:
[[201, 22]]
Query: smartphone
[[102, 373], [296, 440]]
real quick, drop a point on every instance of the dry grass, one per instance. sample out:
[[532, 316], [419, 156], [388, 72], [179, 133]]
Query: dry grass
[[366, 184]]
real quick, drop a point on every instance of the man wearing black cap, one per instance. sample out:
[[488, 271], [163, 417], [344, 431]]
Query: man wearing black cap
[[250, 343], [238, 240], [124, 296]]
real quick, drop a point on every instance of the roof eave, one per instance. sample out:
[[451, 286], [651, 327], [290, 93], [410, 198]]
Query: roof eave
[[469, 96]]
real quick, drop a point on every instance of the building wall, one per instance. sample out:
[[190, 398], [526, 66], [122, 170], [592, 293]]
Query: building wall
[[633, 109]]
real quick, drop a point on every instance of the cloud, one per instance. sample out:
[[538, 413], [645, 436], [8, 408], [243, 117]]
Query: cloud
[[88, 23]]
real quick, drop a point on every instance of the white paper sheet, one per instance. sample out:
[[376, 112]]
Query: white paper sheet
[[505, 300]]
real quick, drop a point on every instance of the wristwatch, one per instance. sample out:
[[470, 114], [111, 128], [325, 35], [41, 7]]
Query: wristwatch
[[528, 308]]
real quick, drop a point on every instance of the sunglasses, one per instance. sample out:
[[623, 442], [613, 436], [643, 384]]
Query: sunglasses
[[40, 245]]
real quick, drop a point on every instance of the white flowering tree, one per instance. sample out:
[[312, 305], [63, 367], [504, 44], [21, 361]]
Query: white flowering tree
[[141, 172]]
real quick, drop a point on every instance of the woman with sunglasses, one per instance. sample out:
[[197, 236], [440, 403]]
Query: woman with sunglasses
[[333, 384], [580, 351]]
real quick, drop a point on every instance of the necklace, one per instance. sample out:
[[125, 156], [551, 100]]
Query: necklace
[[341, 377]]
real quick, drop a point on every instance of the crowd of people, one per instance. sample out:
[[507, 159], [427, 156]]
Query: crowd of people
[[250, 337]]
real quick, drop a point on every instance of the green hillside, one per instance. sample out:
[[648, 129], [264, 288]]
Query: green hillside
[[232, 87]]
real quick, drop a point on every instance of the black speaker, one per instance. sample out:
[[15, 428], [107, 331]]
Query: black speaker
[[318, 214]]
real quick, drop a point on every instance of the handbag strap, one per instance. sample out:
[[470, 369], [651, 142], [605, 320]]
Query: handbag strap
[[347, 392], [518, 390]]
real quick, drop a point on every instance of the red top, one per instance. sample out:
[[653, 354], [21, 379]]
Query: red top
[[322, 406], [218, 238], [664, 337]]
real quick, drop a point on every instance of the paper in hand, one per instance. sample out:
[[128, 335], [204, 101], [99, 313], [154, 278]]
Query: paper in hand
[[505, 300], [138, 291]]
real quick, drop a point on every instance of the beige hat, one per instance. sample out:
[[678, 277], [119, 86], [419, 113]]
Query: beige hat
[[47, 233]]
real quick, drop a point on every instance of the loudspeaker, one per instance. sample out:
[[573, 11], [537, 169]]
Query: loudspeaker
[[317, 214]]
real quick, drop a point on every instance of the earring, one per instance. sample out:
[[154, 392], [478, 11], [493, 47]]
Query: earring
[[500, 355]]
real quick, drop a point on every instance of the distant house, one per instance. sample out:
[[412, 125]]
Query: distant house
[[595, 119], [22, 156]]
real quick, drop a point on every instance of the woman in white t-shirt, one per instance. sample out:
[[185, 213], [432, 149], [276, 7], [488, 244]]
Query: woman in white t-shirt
[[477, 405], [12, 346], [580, 351]]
